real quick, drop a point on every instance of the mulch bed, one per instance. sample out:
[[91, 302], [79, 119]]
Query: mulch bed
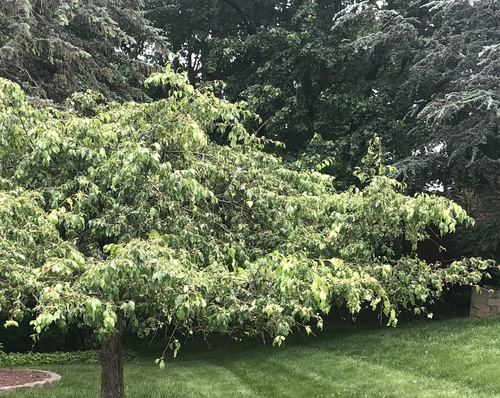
[[19, 377]]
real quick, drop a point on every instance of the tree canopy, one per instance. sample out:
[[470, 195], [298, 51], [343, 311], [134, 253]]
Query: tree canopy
[[297, 72], [54, 48], [132, 219]]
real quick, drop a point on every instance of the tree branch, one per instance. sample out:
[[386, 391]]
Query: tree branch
[[249, 25]]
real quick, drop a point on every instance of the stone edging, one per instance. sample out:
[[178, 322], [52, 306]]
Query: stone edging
[[51, 377]]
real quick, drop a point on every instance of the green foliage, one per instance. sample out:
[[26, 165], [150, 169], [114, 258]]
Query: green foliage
[[464, 112], [421, 75], [56, 358], [452, 84], [284, 60], [132, 218], [54, 48]]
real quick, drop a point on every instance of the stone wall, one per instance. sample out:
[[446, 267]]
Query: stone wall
[[485, 302]]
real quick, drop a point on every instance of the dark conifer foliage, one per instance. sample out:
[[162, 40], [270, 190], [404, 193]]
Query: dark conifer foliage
[[296, 71], [54, 48]]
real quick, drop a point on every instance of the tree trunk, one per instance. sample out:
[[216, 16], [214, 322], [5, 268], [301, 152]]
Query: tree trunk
[[112, 384]]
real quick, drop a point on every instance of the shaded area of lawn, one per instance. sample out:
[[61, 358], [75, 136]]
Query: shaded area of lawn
[[449, 358]]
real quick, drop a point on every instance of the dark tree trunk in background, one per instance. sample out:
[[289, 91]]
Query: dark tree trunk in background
[[112, 383]]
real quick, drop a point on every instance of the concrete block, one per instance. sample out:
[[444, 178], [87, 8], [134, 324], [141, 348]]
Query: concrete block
[[480, 299], [478, 313], [486, 302], [494, 302]]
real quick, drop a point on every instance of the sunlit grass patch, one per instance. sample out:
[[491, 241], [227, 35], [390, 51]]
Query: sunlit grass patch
[[454, 358]]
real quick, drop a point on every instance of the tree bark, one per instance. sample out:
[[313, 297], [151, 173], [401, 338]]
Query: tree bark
[[112, 381]]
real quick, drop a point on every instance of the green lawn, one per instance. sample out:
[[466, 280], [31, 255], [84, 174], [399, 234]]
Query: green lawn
[[450, 358]]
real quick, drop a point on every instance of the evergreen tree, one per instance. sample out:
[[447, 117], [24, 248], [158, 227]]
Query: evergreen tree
[[54, 48]]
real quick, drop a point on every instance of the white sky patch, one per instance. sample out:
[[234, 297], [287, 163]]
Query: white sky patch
[[435, 149], [434, 186]]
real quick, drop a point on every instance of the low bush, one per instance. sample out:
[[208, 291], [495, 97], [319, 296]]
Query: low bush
[[16, 359]]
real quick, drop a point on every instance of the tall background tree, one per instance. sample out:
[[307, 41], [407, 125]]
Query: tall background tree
[[454, 80], [448, 53], [54, 48], [298, 74]]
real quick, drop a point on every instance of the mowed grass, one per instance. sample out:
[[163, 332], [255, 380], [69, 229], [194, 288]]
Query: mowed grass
[[450, 358]]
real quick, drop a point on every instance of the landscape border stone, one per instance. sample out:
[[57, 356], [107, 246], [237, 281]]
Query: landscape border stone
[[51, 378]]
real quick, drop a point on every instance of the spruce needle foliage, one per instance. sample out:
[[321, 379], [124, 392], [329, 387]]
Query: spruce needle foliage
[[54, 48]]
